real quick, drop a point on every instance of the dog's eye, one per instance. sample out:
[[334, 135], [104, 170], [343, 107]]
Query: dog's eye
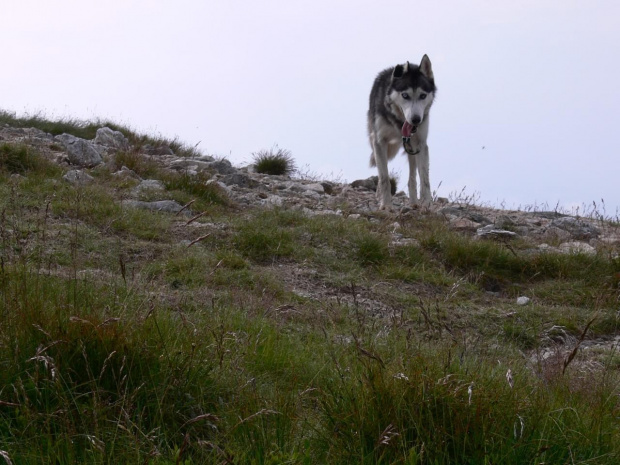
[[422, 96], [405, 95]]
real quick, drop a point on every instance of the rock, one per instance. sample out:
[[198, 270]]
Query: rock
[[168, 206], [149, 185], [239, 179], [523, 300], [273, 200], [312, 194], [576, 247], [464, 223], [78, 177], [315, 187], [369, 183], [157, 149], [579, 229], [66, 139], [328, 188], [503, 222], [189, 164], [223, 187], [222, 166], [490, 231], [126, 173], [555, 233], [79, 151], [464, 213], [111, 139], [548, 215]]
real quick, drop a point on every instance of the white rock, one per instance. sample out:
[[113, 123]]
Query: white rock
[[315, 187], [78, 177], [523, 300], [110, 138], [576, 247]]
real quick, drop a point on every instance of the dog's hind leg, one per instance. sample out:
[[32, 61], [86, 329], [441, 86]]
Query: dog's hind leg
[[425, 183]]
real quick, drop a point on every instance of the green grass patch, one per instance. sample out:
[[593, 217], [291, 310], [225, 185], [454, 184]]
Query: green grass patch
[[23, 159], [276, 161]]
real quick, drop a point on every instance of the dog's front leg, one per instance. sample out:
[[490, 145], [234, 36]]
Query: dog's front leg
[[384, 195], [413, 184], [425, 183]]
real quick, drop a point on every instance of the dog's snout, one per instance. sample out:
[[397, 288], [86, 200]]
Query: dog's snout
[[416, 120]]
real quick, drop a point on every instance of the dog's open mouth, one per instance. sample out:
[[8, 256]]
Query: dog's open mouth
[[408, 129]]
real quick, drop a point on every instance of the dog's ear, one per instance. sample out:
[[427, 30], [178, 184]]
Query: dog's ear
[[400, 70], [425, 67]]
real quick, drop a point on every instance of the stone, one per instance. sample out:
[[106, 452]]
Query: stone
[[369, 183], [523, 300], [576, 247], [168, 206], [503, 222], [126, 173], [464, 223], [157, 149], [192, 164], [149, 185], [579, 229], [315, 187], [222, 166], [79, 151], [78, 177], [239, 179], [490, 231], [111, 139], [555, 233], [273, 200], [328, 188]]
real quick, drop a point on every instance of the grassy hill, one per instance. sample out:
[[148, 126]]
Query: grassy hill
[[267, 336]]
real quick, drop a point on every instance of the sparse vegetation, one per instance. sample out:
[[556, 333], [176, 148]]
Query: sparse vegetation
[[276, 161], [268, 336], [88, 130]]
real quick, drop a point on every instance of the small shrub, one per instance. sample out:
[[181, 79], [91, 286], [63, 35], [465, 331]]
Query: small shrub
[[276, 161]]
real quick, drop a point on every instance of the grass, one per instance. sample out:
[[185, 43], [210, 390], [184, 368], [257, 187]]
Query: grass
[[270, 337], [276, 161]]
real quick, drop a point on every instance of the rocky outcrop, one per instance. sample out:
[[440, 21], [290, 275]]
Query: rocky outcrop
[[547, 230]]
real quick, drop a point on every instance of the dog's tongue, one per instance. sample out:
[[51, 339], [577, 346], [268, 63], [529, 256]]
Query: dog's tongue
[[407, 129]]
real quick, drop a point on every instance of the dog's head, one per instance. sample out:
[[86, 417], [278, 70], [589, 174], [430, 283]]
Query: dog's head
[[413, 91]]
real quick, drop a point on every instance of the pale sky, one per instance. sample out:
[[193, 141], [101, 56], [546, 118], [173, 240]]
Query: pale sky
[[535, 82]]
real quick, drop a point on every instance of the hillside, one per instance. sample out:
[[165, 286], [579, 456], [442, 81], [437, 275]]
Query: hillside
[[162, 306]]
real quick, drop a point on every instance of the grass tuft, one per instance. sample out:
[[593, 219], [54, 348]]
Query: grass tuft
[[276, 161]]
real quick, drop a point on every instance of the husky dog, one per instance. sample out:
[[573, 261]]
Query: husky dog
[[400, 101]]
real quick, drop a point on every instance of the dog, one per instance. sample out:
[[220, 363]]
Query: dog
[[400, 101]]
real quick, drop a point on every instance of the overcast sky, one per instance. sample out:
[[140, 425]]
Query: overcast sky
[[534, 82]]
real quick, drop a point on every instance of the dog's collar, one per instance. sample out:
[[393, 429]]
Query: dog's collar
[[407, 146]]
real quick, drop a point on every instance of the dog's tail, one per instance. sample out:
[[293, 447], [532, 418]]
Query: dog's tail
[[372, 160]]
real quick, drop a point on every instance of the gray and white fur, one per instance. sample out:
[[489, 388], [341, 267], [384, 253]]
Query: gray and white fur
[[400, 101]]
